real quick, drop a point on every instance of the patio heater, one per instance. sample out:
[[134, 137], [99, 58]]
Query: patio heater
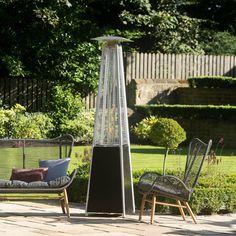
[[110, 187]]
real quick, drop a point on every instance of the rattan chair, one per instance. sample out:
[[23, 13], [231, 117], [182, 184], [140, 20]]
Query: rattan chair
[[152, 184]]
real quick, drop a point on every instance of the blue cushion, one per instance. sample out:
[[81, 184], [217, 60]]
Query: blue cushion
[[56, 168]]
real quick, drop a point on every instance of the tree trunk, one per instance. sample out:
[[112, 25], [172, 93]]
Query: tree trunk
[[164, 163]]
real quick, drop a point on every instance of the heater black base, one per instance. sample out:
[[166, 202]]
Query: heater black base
[[105, 188]]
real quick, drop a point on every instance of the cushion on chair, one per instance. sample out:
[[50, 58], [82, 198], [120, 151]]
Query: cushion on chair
[[59, 182], [38, 184], [18, 184], [56, 168], [28, 175], [4, 183]]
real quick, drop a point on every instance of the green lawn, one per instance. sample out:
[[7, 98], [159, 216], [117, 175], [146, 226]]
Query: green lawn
[[151, 157], [143, 157]]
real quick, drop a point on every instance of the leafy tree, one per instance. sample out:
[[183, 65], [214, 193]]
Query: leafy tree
[[221, 12], [217, 35], [162, 27], [167, 133], [219, 43], [64, 106], [48, 40], [52, 39]]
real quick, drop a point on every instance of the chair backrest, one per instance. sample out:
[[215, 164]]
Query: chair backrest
[[197, 151]]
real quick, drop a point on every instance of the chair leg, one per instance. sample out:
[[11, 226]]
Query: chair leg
[[66, 202], [142, 206], [153, 209], [63, 206], [181, 210], [62, 203], [190, 212]]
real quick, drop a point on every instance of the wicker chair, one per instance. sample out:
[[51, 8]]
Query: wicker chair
[[153, 184]]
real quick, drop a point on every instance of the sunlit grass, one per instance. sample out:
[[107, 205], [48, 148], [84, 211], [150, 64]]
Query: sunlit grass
[[143, 157], [151, 157]]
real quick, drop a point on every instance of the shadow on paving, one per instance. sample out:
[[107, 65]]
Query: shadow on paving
[[223, 223], [50, 214], [200, 233]]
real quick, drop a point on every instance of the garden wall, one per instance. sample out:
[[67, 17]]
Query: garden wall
[[149, 91]]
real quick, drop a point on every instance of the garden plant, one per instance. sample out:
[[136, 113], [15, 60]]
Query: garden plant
[[162, 132]]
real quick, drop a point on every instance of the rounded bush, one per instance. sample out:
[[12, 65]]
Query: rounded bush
[[167, 133]]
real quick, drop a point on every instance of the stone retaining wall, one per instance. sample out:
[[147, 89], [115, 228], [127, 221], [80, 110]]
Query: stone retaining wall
[[148, 91]]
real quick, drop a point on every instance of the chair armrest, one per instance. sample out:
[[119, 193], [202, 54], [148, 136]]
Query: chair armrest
[[72, 174], [147, 180]]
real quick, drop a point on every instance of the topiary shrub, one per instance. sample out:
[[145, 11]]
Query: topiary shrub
[[167, 133]]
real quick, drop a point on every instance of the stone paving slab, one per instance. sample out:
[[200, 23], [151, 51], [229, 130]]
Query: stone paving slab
[[44, 218]]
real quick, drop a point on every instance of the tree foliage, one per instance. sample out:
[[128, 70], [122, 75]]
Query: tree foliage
[[48, 40], [163, 27], [52, 39]]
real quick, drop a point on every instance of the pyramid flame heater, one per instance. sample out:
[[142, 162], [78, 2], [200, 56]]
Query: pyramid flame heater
[[110, 187]]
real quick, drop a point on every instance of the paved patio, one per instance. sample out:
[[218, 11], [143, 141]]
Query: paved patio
[[44, 218]]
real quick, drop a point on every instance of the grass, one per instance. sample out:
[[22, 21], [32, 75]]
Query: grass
[[151, 157], [143, 157]]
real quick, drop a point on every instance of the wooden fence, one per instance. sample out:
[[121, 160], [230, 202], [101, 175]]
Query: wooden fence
[[33, 93], [171, 67]]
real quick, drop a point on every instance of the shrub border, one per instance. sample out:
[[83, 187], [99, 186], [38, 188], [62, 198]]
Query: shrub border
[[205, 200], [188, 111], [212, 82]]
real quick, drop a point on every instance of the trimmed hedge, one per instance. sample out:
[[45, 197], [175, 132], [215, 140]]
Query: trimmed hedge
[[212, 82], [213, 200], [188, 111], [214, 195]]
